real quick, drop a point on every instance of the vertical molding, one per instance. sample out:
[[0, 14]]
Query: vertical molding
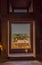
[[0, 30]]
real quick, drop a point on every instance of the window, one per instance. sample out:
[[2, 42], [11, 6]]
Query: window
[[20, 11], [21, 39]]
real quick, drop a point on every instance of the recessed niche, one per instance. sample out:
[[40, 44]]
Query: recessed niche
[[20, 6]]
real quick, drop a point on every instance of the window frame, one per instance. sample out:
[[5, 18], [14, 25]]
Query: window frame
[[11, 51]]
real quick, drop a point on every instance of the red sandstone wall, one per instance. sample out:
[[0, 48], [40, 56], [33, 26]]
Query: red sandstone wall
[[37, 16]]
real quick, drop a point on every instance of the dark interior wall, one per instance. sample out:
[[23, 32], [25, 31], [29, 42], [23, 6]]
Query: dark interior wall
[[0, 30], [37, 16], [4, 34], [38, 28], [41, 30], [4, 7]]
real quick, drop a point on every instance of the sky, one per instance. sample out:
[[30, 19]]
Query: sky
[[20, 28]]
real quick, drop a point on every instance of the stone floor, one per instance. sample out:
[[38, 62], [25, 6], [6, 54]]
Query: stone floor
[[21, 63]]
